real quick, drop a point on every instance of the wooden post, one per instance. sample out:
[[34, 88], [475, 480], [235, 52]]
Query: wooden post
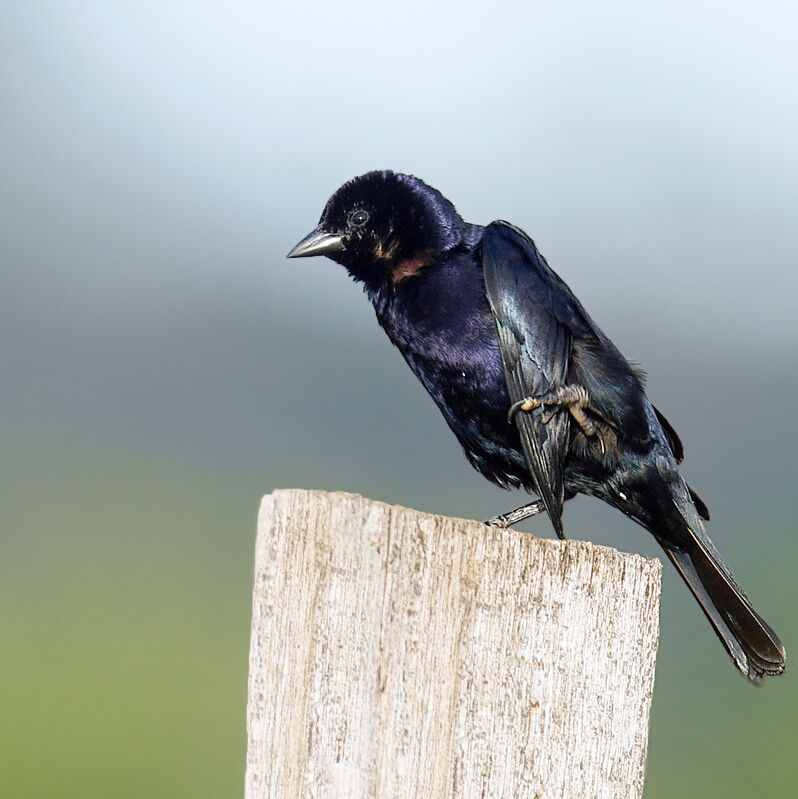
[[396, 654]]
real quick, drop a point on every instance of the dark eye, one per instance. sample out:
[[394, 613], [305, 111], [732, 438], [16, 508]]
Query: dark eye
[[359, 218]]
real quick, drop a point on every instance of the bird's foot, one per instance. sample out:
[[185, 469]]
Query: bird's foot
[[506, 520], [525, 404], [573, 398]]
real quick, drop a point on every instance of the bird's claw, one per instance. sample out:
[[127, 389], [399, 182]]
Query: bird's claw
[[526, 404], [571, 398], [549, 415]]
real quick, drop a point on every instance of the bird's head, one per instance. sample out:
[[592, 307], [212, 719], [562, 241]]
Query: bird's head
[[384, 227]]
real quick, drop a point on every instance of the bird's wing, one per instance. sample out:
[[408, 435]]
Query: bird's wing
[[536, 318]]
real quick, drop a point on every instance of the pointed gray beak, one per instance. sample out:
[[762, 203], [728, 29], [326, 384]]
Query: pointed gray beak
[[317, 242]]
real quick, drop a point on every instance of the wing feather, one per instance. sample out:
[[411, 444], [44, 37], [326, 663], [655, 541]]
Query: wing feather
[[534, 322]]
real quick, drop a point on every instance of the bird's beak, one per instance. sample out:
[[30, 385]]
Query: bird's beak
[[317, 242]]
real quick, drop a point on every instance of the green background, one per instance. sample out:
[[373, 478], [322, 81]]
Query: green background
[[163, 366]]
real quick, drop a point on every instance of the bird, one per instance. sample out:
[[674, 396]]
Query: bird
[[537, 395]]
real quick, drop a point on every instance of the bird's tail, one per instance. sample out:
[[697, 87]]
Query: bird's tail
[[754, 647]]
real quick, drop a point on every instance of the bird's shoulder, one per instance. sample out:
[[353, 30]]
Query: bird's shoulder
[[520, 273]]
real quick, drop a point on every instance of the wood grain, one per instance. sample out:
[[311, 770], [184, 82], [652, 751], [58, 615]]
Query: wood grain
[[399, 654]]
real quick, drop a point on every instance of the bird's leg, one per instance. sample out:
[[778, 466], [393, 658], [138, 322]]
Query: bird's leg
[[573, 398], [505, 520]]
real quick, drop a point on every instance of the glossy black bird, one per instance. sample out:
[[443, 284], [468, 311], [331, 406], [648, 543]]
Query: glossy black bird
[[536, 394]]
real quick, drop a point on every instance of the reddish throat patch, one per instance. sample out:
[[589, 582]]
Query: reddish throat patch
[[408, 268]]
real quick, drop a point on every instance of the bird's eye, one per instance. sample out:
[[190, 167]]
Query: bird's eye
[[359, 218]]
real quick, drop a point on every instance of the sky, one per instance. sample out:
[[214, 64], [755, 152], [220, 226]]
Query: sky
[[151, 152]]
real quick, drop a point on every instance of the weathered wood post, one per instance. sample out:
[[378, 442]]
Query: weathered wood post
[[397, 654]]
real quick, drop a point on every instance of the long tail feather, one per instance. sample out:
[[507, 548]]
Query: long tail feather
[[753, 645]]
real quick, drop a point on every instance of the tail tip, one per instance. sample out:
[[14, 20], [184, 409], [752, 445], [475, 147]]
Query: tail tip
[[757, 668]]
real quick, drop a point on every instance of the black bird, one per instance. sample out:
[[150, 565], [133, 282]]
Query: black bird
[[535, 392]]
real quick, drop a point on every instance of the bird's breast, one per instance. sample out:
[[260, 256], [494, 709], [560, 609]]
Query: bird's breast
[[453, 349]]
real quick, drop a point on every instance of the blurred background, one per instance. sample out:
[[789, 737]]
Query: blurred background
[[163, 365]]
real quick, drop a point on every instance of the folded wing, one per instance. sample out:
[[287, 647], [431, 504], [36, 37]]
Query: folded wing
[[536, 318]]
